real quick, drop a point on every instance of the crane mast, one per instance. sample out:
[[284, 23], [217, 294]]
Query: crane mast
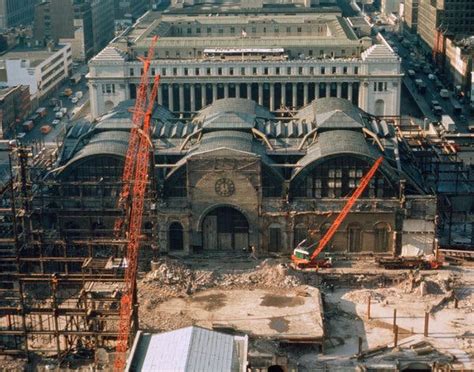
[[132, 199]]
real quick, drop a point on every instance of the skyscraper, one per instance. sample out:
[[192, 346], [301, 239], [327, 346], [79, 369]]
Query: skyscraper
[[16, 12]]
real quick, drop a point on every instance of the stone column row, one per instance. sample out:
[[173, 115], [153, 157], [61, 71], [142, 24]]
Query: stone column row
[[260, 97]]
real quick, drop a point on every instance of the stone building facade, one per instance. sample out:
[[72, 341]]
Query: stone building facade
[[236, 175], [278, 59]]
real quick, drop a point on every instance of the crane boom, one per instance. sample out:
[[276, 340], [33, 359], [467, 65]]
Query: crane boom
[[137, 122], [364, 182], [132, 198]]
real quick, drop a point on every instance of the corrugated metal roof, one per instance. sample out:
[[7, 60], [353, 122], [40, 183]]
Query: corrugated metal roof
[[191, 349]]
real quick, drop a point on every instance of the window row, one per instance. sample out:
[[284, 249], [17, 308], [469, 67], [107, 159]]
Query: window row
[[231, 71]]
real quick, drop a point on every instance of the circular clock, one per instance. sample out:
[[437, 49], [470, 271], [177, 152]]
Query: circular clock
[[224, 187]]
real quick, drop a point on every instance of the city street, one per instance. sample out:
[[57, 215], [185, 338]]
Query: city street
[[35, 134]]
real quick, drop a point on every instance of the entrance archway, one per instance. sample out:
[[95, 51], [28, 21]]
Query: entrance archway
[[226, 229]]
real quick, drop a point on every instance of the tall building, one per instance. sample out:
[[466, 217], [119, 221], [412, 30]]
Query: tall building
[[411, 15], [16, 12], [15, 105], [283, 58], [86, 24], [130, 9], [438, 19], [102, 22]]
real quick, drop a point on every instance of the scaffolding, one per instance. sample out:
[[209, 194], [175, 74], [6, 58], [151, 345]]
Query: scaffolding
[[61, 266]]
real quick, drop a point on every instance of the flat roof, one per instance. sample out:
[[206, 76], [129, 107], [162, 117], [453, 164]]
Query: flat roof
[[35, 55]]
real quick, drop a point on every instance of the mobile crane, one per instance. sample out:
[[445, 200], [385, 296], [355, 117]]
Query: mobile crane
[[301, 258]]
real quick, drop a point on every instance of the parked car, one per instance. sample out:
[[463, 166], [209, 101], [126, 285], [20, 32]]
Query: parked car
[[444, 93], [45, 129], [74, 100], [59, 115], [431, 76], [56, 122], [20, 135]]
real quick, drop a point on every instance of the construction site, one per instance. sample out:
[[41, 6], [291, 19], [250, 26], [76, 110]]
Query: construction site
[[324, 239]]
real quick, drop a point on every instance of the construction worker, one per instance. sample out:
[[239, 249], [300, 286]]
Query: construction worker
[[253, 252]]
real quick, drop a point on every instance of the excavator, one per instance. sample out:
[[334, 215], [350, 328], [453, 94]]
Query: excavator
[[301, 258]]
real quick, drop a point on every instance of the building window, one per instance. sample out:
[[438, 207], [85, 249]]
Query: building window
[[375, 86], [354, 238], [334, 69], [288, 70], [356, 70], [186, 71], [242, 71], [254, 71], [323, 70], [298, 30], [275, 238], [208, 71], [277, 70], [288, 30], [300, 70], [132, 72], [310, 52], [108, 89], [381, 237], [189, 31], [265, 70], [232, 30], [254, 30], [344, 70], [221, 31], [198, 30], [175, 71], [153, 71], [176, 237], [219, 71], [196, 71], [208, 30], [163, 71], [231, 71]]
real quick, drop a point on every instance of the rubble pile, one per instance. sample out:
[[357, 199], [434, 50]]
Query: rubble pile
[[174, 279]]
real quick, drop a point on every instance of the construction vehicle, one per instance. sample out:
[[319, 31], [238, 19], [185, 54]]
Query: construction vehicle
[[301, 258], [131, 201]]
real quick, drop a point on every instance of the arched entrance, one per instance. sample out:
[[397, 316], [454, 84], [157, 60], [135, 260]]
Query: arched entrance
[[226, 229]]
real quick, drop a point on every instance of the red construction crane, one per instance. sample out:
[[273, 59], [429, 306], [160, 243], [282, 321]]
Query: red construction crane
[[301, 258], [132, 197]]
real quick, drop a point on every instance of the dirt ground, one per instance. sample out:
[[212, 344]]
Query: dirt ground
[[345, 303]]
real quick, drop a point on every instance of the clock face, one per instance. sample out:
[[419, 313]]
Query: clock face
[[224, 187]]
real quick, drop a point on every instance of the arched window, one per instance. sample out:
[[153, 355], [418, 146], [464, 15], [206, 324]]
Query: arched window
[[379, 107], [354, 238], [382, 237], [175, 240], [300, 233]]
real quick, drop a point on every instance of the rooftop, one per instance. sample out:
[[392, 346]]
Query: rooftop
[[188, 349], [36, 56]]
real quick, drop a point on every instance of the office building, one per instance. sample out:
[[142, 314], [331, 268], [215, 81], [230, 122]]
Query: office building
[[16, 12]]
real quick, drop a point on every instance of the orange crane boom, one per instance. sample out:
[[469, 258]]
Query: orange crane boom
[[364, 182], [132, 198]]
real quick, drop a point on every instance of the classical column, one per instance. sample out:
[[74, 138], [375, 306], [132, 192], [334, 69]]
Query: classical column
[[181, 97], [328, 89], [249, 90], [283, 94], [339, 90], [203, 95], [349, 91], [226, 90], [192, 94], [316, 90], [305, 94], [160, 94], [237, 90], [170, 97], [260, 93], [214, 92], [272, 97], [293, 98]]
